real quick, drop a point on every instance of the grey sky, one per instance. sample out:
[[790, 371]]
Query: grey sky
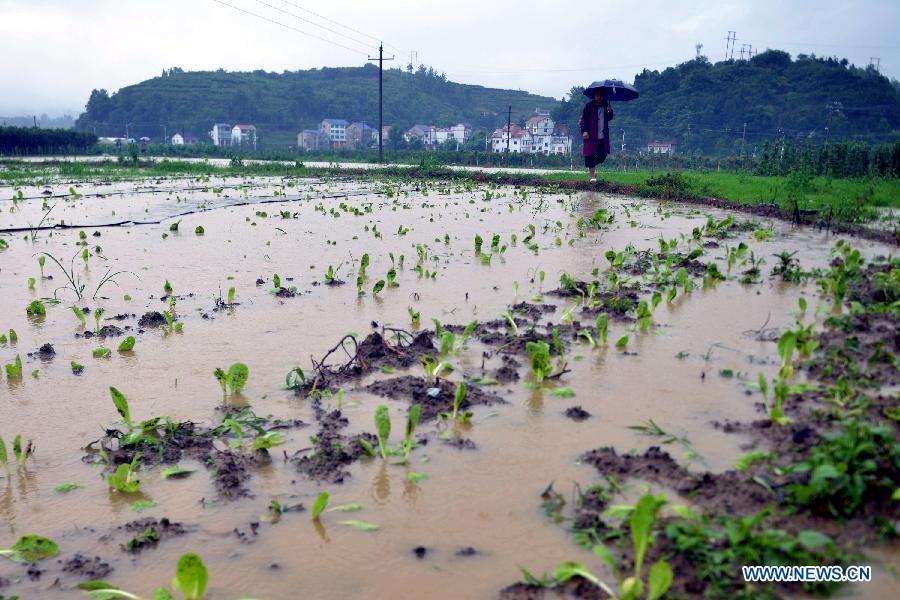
[[55, 51]]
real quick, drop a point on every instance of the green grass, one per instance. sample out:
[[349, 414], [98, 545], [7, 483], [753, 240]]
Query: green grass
[[846, 196]]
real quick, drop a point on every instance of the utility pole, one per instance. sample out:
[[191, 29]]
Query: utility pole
[[35, 120], [380, 60], [831, 107], [743, 137]]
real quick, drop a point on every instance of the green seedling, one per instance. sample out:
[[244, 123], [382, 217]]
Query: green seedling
[[199, 230], [102, 353], [167, 287], [124, 479], [412, 421], [31, 548], [622, 342], [174, 226], [643, 519], [319, 505], [231, 293], [191, 578], [14, 369], [382, 428], [414, 316], [391, 278], [31, 282], [456, 416], [41, 261], [127, 344], [79, 314], [268, 440], [513, 328], [541, 366], [121, 404], [98, 318], [234, 380], [36, 308], [378, 287]]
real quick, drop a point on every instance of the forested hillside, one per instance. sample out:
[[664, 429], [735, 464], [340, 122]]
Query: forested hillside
[[704, 106], [698, 105], [282, 104]]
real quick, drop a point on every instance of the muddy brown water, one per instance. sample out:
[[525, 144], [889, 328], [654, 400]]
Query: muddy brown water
[[487, 498]]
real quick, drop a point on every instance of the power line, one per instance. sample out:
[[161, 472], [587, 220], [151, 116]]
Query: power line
[[347, 27], [273, 21], [314, 24]]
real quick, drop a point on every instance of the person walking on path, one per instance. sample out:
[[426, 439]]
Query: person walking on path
[[594, 124]]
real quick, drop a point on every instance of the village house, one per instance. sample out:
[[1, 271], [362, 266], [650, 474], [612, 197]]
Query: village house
[[520, 140], [539, 136], [336, 130], [360, 135], [657, 147], [221, 134], [313, 139], [425, 133], [243, 134], [180, 139]]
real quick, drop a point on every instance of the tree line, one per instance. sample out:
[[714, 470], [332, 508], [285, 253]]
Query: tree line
[[22, 141]]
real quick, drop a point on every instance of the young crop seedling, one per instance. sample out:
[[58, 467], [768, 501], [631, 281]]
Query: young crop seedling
[[456, 416], [412, 421], [643, 520], [191, 578], [234, 379], [124, 479], [14, 369], [31, 548], [541, 366]]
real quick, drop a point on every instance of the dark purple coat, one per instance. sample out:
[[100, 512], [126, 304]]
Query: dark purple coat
[[589, 124]]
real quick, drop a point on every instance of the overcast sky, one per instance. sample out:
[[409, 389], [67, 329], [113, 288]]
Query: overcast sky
[[55, 51]]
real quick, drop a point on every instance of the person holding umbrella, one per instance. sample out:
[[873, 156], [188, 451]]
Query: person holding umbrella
[[595, 118]]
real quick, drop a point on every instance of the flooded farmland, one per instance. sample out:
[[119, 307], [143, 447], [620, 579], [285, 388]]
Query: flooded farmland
[[612, 349]]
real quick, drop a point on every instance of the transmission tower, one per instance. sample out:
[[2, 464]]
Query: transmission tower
[[729, 44], [875, 63], [698, 46]]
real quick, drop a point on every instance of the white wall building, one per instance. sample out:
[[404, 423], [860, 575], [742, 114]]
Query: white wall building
[[520, 140], [336, 129], [242, 135], [177, 140], [221, 134]]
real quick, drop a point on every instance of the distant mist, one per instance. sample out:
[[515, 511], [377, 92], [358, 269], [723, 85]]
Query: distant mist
[[61, 122]]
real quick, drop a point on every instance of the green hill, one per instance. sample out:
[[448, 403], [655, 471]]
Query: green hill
[[282, 104], [704, 106], [699, 105]]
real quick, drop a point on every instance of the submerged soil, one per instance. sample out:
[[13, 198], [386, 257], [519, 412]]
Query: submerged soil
[[464, 512]]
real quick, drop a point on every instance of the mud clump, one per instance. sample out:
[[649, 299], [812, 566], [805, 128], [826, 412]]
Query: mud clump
[[104, 332], [576, 413], [230, 471], [725, 493], [151, 320], [333, 451], [432, 397], [44, 353], [87, 568], [577, 587]]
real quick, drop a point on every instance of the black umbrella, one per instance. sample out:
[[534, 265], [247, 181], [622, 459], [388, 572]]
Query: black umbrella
[[613, 89]]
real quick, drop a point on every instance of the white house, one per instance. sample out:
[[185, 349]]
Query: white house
[[560, 145], [460, 132], [657, 147], [221, 134], [243, 134], [177, 140], [520, 140], [540, 125], [336, 130]]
